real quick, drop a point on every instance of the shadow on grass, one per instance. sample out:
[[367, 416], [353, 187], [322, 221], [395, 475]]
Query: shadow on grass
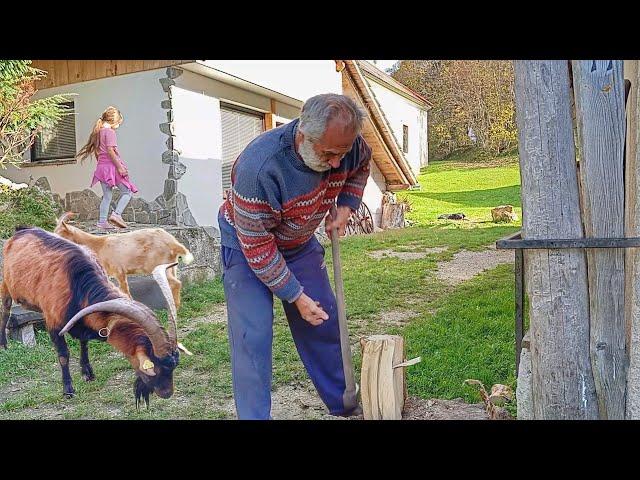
[[488, 198]]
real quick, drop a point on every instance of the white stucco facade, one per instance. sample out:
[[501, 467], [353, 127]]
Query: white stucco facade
[[140, 142], [299, 79], [198, 138], [401, 111], [373, 192]]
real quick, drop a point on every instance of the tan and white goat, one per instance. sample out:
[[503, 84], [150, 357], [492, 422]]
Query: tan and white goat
[[135, 252]]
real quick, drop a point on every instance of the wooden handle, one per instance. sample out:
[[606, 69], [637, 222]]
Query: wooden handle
[[349, 396]]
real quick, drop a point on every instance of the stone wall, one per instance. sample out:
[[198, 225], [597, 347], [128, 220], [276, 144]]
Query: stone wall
[[204, 245]]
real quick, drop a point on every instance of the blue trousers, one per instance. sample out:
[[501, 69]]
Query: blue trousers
[[250, 324]]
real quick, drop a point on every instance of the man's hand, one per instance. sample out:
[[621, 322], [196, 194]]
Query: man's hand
[[311, 311], [341, 221]]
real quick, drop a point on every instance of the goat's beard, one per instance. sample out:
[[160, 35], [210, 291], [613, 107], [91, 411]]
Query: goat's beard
[[311, 158], [142, 391]]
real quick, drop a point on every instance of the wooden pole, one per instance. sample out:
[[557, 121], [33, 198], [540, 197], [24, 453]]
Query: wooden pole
[[599, 93], [562, 379]]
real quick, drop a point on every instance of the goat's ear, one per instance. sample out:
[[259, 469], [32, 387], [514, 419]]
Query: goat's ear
[[67, 216], [145, 364]]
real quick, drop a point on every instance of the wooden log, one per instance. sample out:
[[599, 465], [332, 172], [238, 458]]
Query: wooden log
[[556, 280], [599, 94], [392, 212], [383, 387]]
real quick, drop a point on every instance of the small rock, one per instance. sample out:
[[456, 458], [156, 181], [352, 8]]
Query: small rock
[[503, 213]]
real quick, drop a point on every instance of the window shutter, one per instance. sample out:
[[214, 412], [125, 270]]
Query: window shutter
[[58, 142], [238, 129]]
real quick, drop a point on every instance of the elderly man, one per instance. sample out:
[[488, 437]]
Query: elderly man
[[283, 185]]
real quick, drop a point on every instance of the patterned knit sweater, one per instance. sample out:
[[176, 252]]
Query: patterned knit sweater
[[276, 203]]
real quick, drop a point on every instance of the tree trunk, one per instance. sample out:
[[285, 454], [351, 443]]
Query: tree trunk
[[562, 379]]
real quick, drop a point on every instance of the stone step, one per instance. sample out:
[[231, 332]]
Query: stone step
[[22, 324], [20, 316]]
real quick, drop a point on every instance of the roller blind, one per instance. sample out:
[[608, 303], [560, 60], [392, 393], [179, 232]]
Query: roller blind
[[57, 142], [239, 127]]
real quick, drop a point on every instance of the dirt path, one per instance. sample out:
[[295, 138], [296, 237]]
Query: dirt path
[[299, 401], [466, 265]]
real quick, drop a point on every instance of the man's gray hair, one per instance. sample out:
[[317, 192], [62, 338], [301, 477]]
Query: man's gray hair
[[319, 110]]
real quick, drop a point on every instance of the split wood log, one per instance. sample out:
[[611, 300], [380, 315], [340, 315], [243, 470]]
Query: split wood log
[[383, 378]]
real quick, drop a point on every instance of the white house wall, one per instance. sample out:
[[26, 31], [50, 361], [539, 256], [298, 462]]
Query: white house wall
[[232, 94], [400, 111], [373, 191], [300, 79], [140, 142], [198, 137]]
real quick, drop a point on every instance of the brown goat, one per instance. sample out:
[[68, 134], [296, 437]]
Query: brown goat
[[136, 252], [46, 273]]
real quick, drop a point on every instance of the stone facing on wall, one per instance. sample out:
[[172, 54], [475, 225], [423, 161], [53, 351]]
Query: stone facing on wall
[[171, 199]]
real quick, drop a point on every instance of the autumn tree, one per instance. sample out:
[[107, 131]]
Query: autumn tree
[[471, 98]]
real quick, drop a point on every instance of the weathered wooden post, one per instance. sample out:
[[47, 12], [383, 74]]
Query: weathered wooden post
[[632, 229], [600, 113], [562, 378]]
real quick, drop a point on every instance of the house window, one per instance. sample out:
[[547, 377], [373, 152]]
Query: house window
[[239, 127], [59, 141], [405, 138]]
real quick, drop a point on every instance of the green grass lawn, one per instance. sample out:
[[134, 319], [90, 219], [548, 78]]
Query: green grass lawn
[[468, 185], [461, 332]]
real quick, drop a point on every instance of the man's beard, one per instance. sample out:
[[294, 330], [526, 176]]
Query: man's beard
[[310, 158]]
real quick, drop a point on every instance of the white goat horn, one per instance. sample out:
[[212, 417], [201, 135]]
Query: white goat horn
[[160, 276]]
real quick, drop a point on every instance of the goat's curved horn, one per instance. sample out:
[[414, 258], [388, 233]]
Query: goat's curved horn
[[134, 311], [160, 276]]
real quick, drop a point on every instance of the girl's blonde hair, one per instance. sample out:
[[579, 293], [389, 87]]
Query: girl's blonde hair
[[111, 116]]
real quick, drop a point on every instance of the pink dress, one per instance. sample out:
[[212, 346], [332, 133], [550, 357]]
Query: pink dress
[[106, 172]]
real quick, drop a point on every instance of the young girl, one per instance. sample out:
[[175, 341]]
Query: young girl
[[111, 171]]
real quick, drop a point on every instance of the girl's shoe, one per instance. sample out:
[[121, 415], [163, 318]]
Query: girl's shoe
[[117, 220], [105, 225]]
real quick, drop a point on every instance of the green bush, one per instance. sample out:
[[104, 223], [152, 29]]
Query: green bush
[[31, 206]]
